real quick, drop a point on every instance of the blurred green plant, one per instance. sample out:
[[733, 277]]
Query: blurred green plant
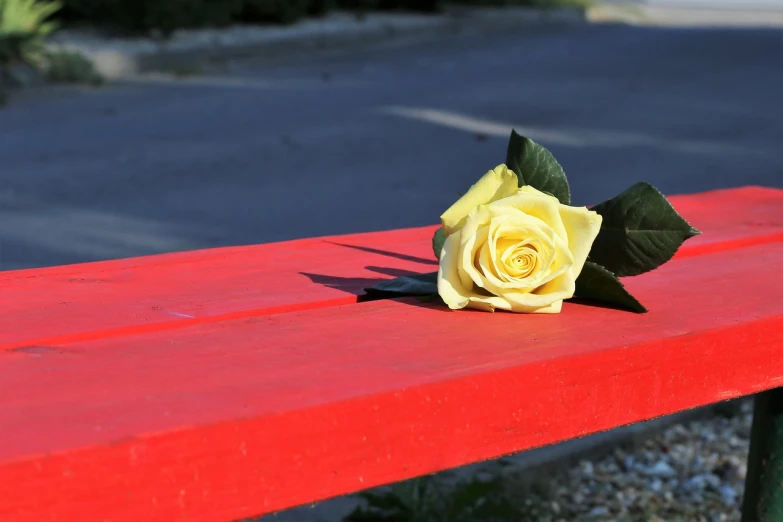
[[166, 16], [144, 16], [61, 66], [23, 26]]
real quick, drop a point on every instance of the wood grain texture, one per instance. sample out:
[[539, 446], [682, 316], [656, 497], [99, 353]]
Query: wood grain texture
[[226, 420], [131, 296]]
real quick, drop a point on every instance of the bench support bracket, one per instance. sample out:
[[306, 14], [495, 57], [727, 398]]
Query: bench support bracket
[[763, 500]]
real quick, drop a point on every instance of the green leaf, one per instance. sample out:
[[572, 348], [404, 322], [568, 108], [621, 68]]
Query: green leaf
[[413, 285], [437, 241], [640, 231], [599, 284], [537, 167]]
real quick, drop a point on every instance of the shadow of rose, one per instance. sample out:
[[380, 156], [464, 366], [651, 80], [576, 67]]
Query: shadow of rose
[[357, 285], [387, 253]]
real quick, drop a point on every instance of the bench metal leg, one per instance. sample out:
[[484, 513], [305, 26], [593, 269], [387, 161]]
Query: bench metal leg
[[763, 500]]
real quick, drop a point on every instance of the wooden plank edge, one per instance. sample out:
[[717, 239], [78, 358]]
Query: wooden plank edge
[[253, 466], [531, 466], [184, 322]]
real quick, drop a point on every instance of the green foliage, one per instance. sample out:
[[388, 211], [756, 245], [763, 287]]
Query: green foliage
[[12, 47], [103, 12], [640, 231], [70, 67], [537, 167], [27, 16], [598, 284], [169, 15], [139, 16], [438, 239], [23, 26]]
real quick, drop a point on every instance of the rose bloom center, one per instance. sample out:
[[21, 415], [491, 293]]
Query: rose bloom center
[[519, 258]]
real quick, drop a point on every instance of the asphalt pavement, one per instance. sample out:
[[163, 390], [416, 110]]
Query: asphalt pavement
[[381, 137]]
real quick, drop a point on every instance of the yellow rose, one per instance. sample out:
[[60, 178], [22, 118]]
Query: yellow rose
[[512, 248]]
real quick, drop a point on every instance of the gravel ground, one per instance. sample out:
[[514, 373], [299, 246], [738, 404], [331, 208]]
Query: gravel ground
[[689, 473]]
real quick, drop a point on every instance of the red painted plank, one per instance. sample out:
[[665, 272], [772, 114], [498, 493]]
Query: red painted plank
[[130, 296], [227, 420], [158, 292]]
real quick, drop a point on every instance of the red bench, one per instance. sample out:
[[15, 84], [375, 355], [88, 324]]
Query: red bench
[[221, 384]]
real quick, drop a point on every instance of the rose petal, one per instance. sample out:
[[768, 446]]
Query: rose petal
[[582, 226], [538, 205], [472, 237], [450, 287], [546, 299], [469, 265], [487, 264], [509, 224], [488, 304], [496, 184]]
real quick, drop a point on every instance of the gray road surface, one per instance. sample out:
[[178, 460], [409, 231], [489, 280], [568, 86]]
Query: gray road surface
[[380, 138]]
